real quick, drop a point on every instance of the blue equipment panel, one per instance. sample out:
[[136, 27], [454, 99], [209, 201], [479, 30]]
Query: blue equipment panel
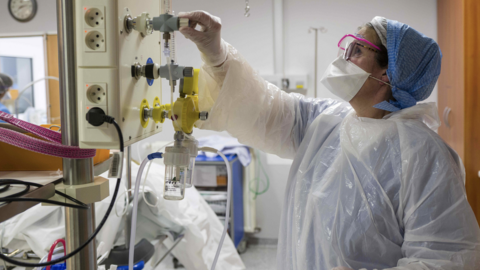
[[236, 225]]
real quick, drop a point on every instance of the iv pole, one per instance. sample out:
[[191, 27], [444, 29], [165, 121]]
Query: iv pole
[[79, 224], [322, 30]]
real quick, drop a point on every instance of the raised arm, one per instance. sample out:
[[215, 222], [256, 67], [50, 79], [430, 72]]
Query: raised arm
[[241, 102]]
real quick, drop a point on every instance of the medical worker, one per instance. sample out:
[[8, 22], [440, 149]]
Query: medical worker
[[5, 83], [372, 185]]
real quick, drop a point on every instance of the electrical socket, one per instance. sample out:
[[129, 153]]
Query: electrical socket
[[94, 17], [97, 93], [95, 41]]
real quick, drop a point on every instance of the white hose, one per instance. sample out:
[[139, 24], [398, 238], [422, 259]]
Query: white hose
[[131, 250], [127, 202], [30, 84], [229, 189], [133, 228], [145, 180]]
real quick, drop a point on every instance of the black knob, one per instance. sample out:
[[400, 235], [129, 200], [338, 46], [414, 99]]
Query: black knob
[[149, 71], [134, 72]]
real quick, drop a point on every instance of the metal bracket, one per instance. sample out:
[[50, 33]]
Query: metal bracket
[[87, 193]]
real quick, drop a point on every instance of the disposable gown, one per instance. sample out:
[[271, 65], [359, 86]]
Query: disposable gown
[[362, 193]]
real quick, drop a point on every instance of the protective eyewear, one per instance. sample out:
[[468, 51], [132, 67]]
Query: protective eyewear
[[351, 46]]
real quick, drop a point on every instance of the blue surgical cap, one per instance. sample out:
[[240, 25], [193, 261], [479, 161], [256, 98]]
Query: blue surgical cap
[[414, 63]]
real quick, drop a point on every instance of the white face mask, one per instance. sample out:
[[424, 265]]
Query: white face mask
[[344, 79]]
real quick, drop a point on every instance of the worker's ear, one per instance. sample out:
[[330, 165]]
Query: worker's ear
[[385, 76]]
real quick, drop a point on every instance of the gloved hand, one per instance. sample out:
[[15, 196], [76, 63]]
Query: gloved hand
[[341, 268], [208, 39]]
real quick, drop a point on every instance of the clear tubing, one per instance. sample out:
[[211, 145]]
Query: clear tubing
[[172, 87], [167, 6], [173, 55], [134, 214], [189, 178], [127, 202], [28, 86], [145, 180], [229, 189]]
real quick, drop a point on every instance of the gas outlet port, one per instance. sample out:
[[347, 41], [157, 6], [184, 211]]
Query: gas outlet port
[[94, 17]]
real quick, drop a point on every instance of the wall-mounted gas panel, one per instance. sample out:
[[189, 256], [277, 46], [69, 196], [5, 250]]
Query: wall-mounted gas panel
[[105, 53]]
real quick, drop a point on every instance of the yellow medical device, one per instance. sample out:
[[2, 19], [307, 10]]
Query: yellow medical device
[[185, 109]]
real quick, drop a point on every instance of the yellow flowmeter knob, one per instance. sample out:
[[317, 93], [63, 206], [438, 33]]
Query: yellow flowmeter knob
[[186, 113], [189, 85]]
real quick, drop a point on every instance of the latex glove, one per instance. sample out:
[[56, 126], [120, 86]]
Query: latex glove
[[341, 268], [208, 39]]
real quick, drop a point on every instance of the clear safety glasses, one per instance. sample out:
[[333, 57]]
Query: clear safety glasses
[[351, 46]]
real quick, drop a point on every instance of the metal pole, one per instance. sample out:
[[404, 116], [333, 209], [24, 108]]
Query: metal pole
[[128, 184], [316, 48], [322, 30], [47, 82], [79, 224]]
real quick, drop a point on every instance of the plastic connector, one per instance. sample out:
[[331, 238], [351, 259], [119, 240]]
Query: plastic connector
[[155, 155], [96, 117]]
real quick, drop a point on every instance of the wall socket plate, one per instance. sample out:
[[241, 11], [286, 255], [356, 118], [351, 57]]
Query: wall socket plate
[[110, 67], [94, 17], [96, 94], [95, 40]]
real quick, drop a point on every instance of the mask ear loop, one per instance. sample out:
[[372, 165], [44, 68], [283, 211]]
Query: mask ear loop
[[380, 81]]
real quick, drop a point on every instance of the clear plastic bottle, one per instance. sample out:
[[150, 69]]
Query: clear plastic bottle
[[177, 160]]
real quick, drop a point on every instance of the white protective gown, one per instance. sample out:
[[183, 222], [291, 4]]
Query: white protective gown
[[362, 193]]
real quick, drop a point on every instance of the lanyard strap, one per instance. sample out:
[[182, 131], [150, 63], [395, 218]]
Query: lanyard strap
[[53, 146]]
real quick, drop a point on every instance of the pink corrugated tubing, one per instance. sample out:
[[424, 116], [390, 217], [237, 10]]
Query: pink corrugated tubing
[[53, 147]]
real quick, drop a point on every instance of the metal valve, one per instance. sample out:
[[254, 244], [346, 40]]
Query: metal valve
[[203, 116], [142, 23]]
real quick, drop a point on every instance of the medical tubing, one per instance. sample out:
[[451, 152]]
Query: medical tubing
[[229, 190], [100, 226], [257, 178], [133, 228], [27, 86], [127, 202], [172, 87], [143, 188], [52, 249], [145, 180]]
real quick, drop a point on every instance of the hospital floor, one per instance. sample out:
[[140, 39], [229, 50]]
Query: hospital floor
[[257, 257]]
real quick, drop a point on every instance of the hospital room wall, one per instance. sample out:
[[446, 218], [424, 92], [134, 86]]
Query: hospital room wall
[[253, 37], [44, 21]]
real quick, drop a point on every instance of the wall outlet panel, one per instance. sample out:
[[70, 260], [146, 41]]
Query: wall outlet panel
[[109, 68]]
